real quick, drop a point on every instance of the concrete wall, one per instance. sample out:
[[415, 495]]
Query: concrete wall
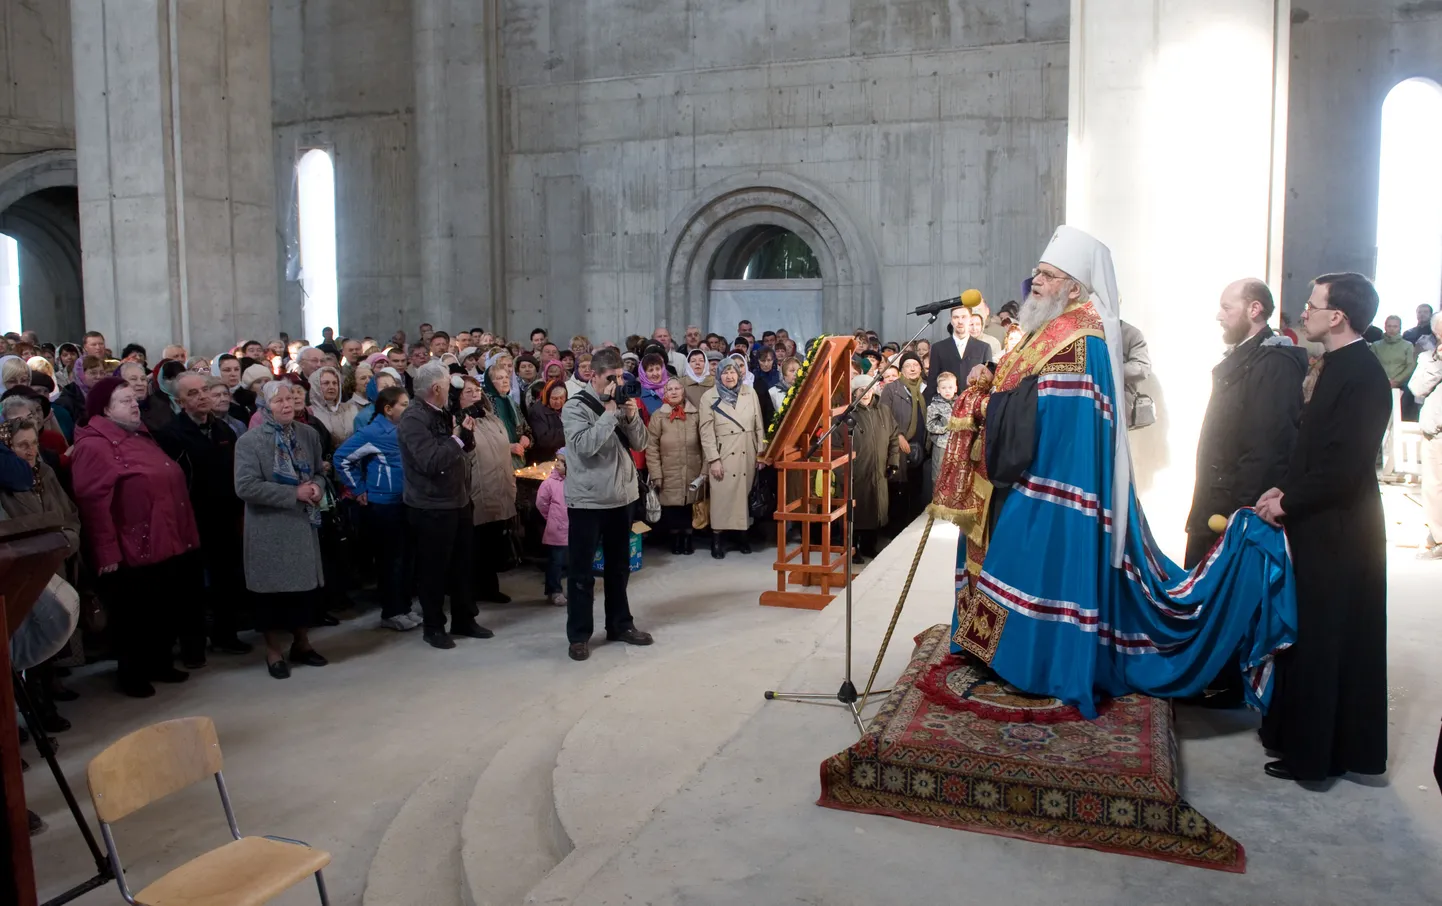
[[37, 87], [1346, 56], [938, 127], [343, 80]]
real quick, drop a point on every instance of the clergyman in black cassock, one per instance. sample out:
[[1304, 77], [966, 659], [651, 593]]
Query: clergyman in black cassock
[[1329, 707]]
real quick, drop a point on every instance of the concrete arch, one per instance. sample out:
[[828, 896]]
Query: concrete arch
[[851, 290], [31, 174]]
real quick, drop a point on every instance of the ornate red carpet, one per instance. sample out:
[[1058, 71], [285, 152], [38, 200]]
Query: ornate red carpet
[[955, 747]]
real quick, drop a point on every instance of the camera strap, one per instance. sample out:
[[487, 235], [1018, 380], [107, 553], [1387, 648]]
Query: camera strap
[[599, 408]]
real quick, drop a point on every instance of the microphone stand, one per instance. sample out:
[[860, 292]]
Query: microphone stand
[[846, 696]]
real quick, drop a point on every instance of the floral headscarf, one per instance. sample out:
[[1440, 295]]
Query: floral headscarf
[[290, 466]]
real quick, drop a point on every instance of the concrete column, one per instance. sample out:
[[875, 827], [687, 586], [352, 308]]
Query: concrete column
[[173, 143], [457, 156], [1176, 150]]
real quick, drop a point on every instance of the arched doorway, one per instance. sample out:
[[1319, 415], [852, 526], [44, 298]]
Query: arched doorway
[[40, 210], [734, 219], [1409, 199], [768, 275]]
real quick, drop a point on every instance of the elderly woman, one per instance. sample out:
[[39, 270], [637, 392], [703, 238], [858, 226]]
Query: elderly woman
[[732, 437], [328, 410], [545, 421], [497, 385], [385, 378], [673, 461], [580, 345], [84, 374], [14, 372], [492, 484], [697, 378], [653, 382], [222, 405], [277, 473], [140, 537]]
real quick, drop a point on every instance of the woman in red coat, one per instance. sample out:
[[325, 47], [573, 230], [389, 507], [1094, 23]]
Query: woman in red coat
[[140, 535]]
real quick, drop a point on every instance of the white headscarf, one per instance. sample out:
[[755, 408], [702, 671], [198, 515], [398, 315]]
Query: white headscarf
[[1089, 262]]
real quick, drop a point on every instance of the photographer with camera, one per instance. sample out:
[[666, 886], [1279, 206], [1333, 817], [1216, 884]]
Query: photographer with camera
[[602, 424]]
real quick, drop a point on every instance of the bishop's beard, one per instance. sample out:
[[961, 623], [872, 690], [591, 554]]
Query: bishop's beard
[[1038, 310]]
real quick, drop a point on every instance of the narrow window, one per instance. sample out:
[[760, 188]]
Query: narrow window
[[316, 177], [1409, 204], [9, 284]]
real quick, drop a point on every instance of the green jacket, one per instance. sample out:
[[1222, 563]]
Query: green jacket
[[1398, 358]]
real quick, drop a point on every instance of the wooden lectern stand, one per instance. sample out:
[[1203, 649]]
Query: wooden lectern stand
[[803, 481], [30, 552]]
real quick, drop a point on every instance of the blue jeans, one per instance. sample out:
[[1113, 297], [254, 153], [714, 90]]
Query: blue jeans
[[555, 568]]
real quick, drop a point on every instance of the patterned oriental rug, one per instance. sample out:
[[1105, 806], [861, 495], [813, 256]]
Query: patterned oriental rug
[[956, 747]]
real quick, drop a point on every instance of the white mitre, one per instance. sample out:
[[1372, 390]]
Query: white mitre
[[1089, 262]]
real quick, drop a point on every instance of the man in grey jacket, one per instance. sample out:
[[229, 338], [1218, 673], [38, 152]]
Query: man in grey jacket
[[1423, 385], [601, 485], [434, 464]]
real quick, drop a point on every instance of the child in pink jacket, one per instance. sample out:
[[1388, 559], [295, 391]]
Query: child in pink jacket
[[551, 502]]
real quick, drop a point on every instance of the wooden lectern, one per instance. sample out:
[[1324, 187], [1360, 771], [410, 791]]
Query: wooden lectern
[[804, 494], [31, 549]]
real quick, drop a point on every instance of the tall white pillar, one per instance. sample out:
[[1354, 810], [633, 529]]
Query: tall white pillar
[[175, 170], [1176, 150], [457, 159]]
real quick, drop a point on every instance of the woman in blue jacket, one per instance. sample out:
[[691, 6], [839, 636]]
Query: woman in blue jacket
[[369, 465]]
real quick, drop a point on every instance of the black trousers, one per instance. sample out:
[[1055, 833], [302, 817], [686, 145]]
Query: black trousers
[[150, 607], [443, 553], [488, 554], [677, 519], [612, 529], [390, 544], [221, 553]]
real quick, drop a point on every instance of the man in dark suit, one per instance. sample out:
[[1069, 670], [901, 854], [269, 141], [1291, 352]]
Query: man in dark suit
[[958, 353], [1329, 705], [1251, 421]]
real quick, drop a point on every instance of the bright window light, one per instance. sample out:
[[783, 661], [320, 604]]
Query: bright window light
[[9, 284], [316, 178], [1409, 206]]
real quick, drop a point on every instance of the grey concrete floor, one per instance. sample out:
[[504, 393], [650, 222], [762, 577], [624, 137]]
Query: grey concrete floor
[[331, 755]]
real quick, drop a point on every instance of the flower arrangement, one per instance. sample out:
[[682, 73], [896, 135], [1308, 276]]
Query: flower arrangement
[[796, 386]]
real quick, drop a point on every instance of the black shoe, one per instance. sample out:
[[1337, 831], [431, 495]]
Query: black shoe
[[632, 636], [37, 826], [688, 545], [192, 662], [579, 651], [678, 547], [718, 549], [137, 689], [54, 723], [1279, 770], [63, 693], [495, 597], [472, 631], [327, 619], [1222, 700], [858, 557], [169, 675], [438, 638], [231, 645], [279, 669], [308, 658], [743, 544]]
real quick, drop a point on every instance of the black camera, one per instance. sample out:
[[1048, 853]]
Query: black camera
[[624, 387]]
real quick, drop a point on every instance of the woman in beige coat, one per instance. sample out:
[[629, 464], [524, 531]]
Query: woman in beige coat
[[732, 437], [493, 488], [673, 460]]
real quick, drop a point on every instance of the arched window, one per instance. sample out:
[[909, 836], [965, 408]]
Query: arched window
[[1409, 203], [9, 284], [315, 176], [765, 253]]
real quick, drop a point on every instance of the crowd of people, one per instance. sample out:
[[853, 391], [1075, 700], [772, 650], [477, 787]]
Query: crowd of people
[[278, 477]]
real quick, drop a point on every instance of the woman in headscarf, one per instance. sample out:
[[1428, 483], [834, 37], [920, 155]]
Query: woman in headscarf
[[653, 378], [84, 374], [277, 474], [328, 410], [65, 358], [697, 379], [673, 462], [630, 362], [554, 370], [788, 371], [492, 481], [905, 398], [385, 377], [141, 539], [498, 390], [471, 361], [545, 420], [732, 438]]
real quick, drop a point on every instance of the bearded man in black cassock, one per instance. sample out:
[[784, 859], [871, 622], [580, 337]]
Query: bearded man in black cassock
[[1329, 708]]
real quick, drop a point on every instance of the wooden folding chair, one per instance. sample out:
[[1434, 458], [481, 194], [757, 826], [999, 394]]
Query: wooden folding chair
[[161, 759]]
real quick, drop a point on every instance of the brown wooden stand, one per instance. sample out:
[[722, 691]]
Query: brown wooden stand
[[823, 395]]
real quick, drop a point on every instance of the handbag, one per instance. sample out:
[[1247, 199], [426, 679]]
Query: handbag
[[653, 504], [701, 509], [761, 503], [1144, 412]]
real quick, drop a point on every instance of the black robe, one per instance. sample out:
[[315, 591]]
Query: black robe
[[1329, 706], [876, 449]]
